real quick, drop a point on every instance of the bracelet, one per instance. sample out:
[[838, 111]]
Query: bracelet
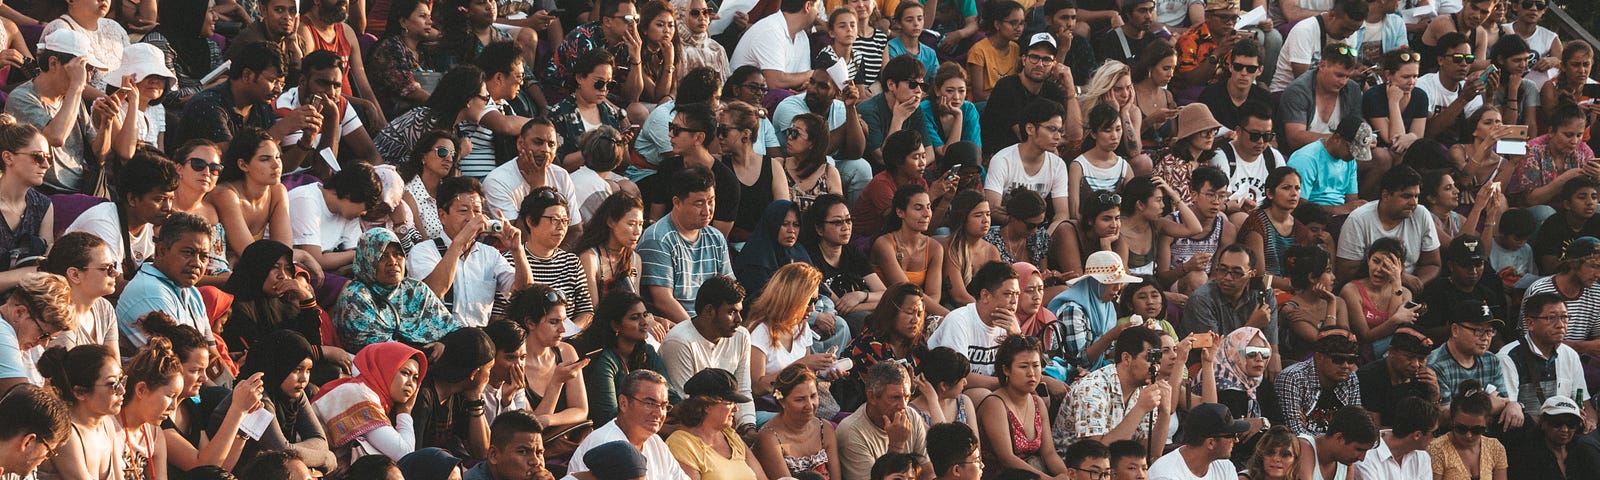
[[472, 404]]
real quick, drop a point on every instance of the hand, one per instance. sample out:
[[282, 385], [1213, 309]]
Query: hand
[[105, 113], [1260, 316], [1494, 82], [1006, 319], [1470, 90], [541, 19], [924, 388], [659, 327], [826, 324], [1398, 97], [1266, 25], [632, 41], [1197, 263], [1161, 115], [130, 89], [296, 289], [247, 394], [510, 235], [1545, 63], [1162, 186], [851, 95], [12, 57], [898, 427], [1511, 418], [568, 371], [405, 407], [818, 361], [1226, 43], [1150, 397], [337, 355], [942, 187], [310, 263], [1430, 380], [78, 71], [433, 351], [904, 110], [1407, 315], [742, 20], [469, 232], [1063, 75]]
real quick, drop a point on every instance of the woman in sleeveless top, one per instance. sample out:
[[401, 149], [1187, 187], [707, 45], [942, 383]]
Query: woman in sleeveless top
[[1100, 167], [154, 379], [1097, 228], [606, 247], [432, 161], [1016, 433], [1378, 297], [1152, 72], [194, 195], [940, 387], [89, 379], [1271, 230], [1313, 305], [1464, 453], [556, 392], [905, 254], [796, 440], [967, 250], [1023, 238], [1145, 225], [23, 209], [183, 428], [738, 125], [810, 175]]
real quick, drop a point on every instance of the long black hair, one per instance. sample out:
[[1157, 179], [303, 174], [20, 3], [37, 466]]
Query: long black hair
[[600, 335], [181, 22]]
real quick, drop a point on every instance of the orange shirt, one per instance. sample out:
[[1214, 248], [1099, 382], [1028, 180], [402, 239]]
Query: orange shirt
[[1193, 47]]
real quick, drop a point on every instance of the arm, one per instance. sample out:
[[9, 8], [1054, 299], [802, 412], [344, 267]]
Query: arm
[[661, 298], [1299, 136], [396, 441], [1450, 116], [958, 285], [1075, 177], [781, 79], [60, 126], [854, 143], [328, 260], [932, 284], [998, 431], [1294, 13], [358, 69]]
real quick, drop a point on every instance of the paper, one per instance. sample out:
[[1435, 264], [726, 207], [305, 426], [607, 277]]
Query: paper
[[839, 368], [255, 423], [1511, 147], [221, 69], [725, 14], [327, 156], [1411, 15], [1251, 18]]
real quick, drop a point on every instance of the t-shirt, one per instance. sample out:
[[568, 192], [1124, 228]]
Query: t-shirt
[[1175, 12], [992, 63], [970, 124], [1363, 226], [101, 221], [1439, 97], [1375, 104], [1302, 46], [783, 114], [504, 189], [1248, 176], [314, 224], [659, 462], [727, 188], [861, 442], [964, 332], [290, 100], [777, 356], [1557, 233], [689, 449], [589, 190], [1172, 467], [11, 361], [1299, 105], [99, 327], [1006, 172], [1324, 180], [67, 170], [769, 46], [1216, 97]]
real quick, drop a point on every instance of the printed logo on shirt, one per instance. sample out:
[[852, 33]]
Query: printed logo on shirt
[[982, 355]]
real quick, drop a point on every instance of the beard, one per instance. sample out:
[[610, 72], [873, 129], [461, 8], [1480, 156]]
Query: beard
[[335, 11]]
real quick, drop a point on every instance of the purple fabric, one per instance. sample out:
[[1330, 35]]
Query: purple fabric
[[69, 206]]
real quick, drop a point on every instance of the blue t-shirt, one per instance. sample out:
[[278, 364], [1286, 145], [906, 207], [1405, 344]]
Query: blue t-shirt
[[970, 131], [925, 54], [1324, 180], [11, 364]]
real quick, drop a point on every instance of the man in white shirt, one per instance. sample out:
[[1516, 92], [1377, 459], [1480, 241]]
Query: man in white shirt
[[1041, 125], [1209, 434], [505, 187], [641, 410], [327, 215], [146, 184], [322, 83], [1402, 452], [1450, 93], [1306, 40], [779, 46], [975, 330], [1394, 215], [713, 338], [461, 271], [1249, 158], [1351, 433]]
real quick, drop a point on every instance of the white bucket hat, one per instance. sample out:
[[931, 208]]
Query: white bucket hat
[[1106, 267], [71, 42], [143, 60]]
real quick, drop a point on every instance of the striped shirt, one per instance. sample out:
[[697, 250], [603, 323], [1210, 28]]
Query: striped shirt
[[1487, 369], [481, 159], [561, 272], [868, 52], [1584, 312], [668, 260]]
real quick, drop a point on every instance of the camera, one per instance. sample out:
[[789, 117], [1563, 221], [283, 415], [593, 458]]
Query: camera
[[494, 226]]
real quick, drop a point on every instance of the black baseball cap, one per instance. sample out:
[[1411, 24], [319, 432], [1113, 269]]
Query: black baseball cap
[[1465, 250], [1473, 310], [715, 383], [1213, 420]]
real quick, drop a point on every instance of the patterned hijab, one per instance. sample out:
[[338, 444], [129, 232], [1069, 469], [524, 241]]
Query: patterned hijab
[[1230, 365], [370, 311]]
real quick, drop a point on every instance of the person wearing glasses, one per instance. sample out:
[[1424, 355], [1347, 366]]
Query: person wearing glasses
[[1468, 422], [1311, 390], [1550, 451], [1090, 460], [996, 55], [699, 50], [36, 417], [588, 106], [707, 418], [1466, 356], [1301, 109], [1040, 77], [1203, 50], [1397, 110], [1544, 45], [433, 160], [544, 221], [1236, 86], [953, 452], [1329, 455], [897, 108], [85, 261], [25, 162], [1209, 435], [1552, 367], [1306, 39], [462, 271], [256, 203], [1451, 93], [654, 140], [1466, 259], [692, 131], [89, 379], [642, 398]]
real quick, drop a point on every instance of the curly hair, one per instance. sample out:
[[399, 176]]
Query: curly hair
[[153, 366], [48, 297]]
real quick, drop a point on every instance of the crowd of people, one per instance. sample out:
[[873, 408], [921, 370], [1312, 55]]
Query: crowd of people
[[807, 239]]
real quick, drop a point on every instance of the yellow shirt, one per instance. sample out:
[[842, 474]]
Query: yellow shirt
[[1448, 462], [992, 63], [694, 454]]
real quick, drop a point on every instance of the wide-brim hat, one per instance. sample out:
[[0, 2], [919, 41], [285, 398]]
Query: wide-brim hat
[[71, 42], [143, 60], [1105, 267], [1195, 118]]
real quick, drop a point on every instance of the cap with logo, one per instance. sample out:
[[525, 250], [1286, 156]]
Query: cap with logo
[[1473, 310], [1360, 137], [1042, 38], [1466, 250]]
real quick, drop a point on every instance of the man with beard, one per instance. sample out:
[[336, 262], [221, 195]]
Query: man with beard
[[1575, 282], [280, 20], [615, 32], [642, 409], [1311, 391], [324, 28], [1125, 42], [713, 338], [1209, 434], [1402, 373], [167, 282], [321, 87], [831, 94], [1317, 103], [506, 186], [516, 450], [681, 250], [1331, 28], [1548, 452], [220, 112], [146, 184], [1539, 367], [1466, 355], [1041, 78], [1394, 215], [1350, 435], [1465, 281]]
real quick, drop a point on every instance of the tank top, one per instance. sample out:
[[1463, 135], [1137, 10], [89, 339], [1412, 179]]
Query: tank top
[[816, 462], [1096, 178], [34, 206], [804, 198], [1185, 248], [914, 278], [1021, 445], [753, 200], [427, 210], [339, 46], [1340, 470]]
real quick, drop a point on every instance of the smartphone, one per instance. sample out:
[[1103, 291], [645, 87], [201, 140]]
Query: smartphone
[[1204, 341], [112, 89], [1591, 90], [1518, 132], [1484, 79], [593, 353]]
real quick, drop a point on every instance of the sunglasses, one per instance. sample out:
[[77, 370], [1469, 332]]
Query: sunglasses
[[605, 85], [1475, 430], [444, 152], [792, 133], [757, 87], [1562, 422], [1260, 353], [674, 129], [1110, 199], [554, 297], [1534, 5], [702, 12], [1240, 67], [200, 165], [1345, 359], [1346, 51], [1410, 57], [1463, 57], [40, 158], [840, 222], [629, 19], [1260, 136]]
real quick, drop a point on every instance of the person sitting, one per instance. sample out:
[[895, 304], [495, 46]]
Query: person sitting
[[1350, 433], [1187, 262], [1442, 195], [457, 105], [1113, 402], [1209, 435], [222, 111], [320, 88], [1451, 94], [607, 248], [1327, 168], [620, 336], [1199, 63], [516, 450], [1402, 373], [505, 188], [249, 200], [1575, 219], [780, 334], [1019, 366], [772, 245], [806, 163], [826, 232], [643, 404], [1233, 298], [1395, 216], [154, 376], [85, 261], [460, 270], [969, 225], [1310, 391], [1466, 261], [502, 63], [1147, 300], [167, 282], [269, 294], [1468, 21], [551, 373], [700, 50], [1465, 442], [1397, 110], [1023, 238], [431, 462], [1033, 164], [975, 330], [905, 159], [713, 337], [1376, 301], [941, 385], [903, 248], [953, 452], [589, 105], [53, 102], [1576, 282], [682, 250], [708, 443], [1242, 386], [328, 225], [1402, 451], [599, 177], [193, 187], [506, 390], [1086, 313], [896, 108], [1548, 450], [1514, 92], [1552, 369], [378, 400], [433, 161], [35, 226], [885, 424], [1302, 112], [737, 127], [1300, 48], [1097, 228], [381, 305], [1152, 74], [1466, 356], [128, 227], [189, 442], [781, 443], [1146, 221], [89, 379], [283, 358], [1227, 96], [947, 116], [449, 409], [543, 218], [397, 58], [39, 418]]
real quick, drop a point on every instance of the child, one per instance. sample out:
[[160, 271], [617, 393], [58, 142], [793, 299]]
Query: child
[[1316, 219], [1128, 460], [1510, 256], [909, 16], [897, 466], [1099, 168], [952, 447], [1087, 459], [1578, 198]]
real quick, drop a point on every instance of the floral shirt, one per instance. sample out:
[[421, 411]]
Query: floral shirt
[[1177, 172], [569, 123], [701, 51], [1539, 169], [867, 350], [584, 38], [1307, 406], [1038, 246], [1094, 407], [1193, 47], [391, 69]]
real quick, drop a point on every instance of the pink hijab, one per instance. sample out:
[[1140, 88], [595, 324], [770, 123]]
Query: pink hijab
[[1036, 322]]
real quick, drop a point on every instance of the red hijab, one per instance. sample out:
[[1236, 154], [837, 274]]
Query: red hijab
[[377, 365]]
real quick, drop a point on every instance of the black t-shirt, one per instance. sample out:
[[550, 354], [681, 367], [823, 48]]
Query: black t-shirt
[[1005, 107], [1557, 233], [849, 276], [1238, 404], [1108, 45], [727, 187], [1222, 107], [1375, 104], [1440, 293], [1380, 394]]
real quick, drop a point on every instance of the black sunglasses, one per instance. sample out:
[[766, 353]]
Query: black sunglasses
[[1475, 430], [1345, 359], [702, 12], [605, 85], [674, 129], [792, 133], [1534, 5], [1260, 136], [757, 87], [724, 130], [1240, 67], [200, 165]]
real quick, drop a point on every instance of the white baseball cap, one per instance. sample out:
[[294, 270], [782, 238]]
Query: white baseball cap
[[71, 42]]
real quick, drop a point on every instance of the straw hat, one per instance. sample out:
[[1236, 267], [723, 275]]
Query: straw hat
[[1106, 267]]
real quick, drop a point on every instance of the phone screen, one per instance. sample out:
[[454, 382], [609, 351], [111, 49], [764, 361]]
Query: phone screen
[[1591, 90]]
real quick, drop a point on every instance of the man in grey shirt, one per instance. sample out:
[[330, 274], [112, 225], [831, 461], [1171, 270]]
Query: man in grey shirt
[[1231, 300], [53, 101], [1297, 112]]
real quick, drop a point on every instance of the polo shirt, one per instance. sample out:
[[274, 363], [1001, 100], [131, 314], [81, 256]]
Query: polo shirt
[[1208, 311], [12, 365], [1486, 369], [151, 290], [479, 276], [668, 260], [1381, 464]]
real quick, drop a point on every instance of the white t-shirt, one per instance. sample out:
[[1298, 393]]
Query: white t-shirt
[[479, 276], [1248, 180], [1539, 44], [1006, 172], [1363, 227], [777, 357], [659, 462], [1380, 464], [314, 224], [964, 332], [101, 221], [1304, 46], [504, 190], [290, 100], [769, 46], [589, 190], [1172, 467], [1439, 97]]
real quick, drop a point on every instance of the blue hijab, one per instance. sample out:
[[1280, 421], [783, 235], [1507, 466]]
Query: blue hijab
[[762, 255], [1102, 315]]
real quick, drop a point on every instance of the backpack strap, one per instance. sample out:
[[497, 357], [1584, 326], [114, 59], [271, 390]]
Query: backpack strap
[[1233, 160]]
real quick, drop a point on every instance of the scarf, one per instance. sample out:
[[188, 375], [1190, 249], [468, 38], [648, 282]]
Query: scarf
[[1230, 365], [762, 255], [352, 406], [275, 357], [1031, 326], [371, 311], [1100, 316]]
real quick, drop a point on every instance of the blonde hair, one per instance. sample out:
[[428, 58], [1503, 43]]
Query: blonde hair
[[47, 295], [1101, 82], [154, 365], [784, 303], [744, 116]]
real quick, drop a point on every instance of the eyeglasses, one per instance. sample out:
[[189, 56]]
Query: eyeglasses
[[1240, 67], [1216, 195], [1478, 332], [1463, 57], [1233, 272], [662, 406], [1108, 198], [1094, 474], [1031, 226], [544, 193], [724, 130], [762, 89], [1410, 57], [702, 12], [1345, 359], [629, 19], [1040, 58], [49, 451], [674, 129], [553, 297], [840, 222], [1266, 136], [45, 336], [1475, 430], [1534, 5], [200, 165], [1557, 318], [1230, 19], [557, 220], [605, 85], [444, 152], [485, 98]]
